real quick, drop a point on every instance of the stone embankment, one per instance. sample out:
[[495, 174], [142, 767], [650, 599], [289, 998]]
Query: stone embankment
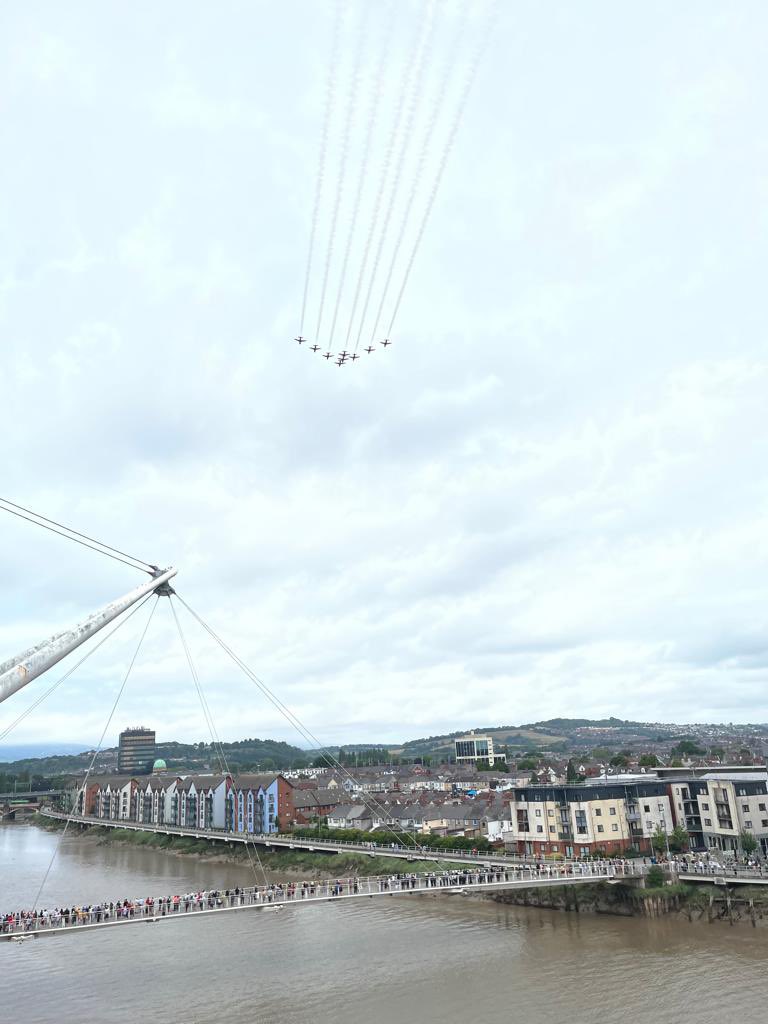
[[694, 903]]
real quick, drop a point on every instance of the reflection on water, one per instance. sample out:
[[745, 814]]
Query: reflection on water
[[426, 958]]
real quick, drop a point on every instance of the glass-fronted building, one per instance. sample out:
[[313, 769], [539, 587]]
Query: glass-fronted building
[[473, 749]]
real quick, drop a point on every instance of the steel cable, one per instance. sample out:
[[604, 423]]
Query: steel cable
[[79, 538]]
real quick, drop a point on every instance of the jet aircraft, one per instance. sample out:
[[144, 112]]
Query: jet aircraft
[[314, 348], [370, 349], [386, 342], [300, 340]]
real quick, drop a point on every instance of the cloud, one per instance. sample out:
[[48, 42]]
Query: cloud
[[546, 498]]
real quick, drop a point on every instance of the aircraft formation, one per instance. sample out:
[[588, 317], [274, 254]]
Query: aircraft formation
[[344, 357], [398, 81]]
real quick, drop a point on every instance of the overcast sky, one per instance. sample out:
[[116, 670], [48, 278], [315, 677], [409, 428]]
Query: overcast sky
[[547, 498]]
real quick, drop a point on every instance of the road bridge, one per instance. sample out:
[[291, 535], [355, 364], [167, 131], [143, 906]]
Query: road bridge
[[463, 881], [288, 842], [35, 794]]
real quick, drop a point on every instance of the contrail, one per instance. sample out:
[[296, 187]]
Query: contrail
[[351, 103], [442, 90], [469, 82], [372, 119], [421, 66], [330, 90]]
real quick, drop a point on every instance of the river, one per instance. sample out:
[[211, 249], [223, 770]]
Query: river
[[423, 959]]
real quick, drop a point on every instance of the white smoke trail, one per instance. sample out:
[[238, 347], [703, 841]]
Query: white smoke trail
[[372, 120], [330, 90], [469, 82], [434, 119], [399, 108], [415, 94], [351, 104]]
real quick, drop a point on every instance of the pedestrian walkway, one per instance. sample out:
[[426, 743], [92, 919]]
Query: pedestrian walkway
[[25, 924]]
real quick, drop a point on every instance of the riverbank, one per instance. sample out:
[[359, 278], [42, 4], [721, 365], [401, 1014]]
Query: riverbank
[[689, 902], [286, 863]]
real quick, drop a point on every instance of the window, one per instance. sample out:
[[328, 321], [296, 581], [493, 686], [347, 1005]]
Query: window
[[538, 812], [551, 813], [539, 828], [613, 810], [745, 807], [747, 824], [704, 807], [708, 821], [661, 808], [552, 828], [761, 807], [614, 828], [649, 825], [764, 823], [600, 828], [647, 808], [598, 813]]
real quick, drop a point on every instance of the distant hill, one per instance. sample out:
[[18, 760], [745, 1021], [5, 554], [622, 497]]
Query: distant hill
[[24, 750], [239, 755]]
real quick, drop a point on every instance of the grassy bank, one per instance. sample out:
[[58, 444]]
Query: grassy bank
[[318, 865]]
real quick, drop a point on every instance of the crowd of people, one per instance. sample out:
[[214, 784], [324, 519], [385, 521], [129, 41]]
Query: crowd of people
[[278, 894]]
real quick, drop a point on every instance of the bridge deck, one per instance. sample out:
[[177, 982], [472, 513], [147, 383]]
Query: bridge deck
[[16, 927], [413, 853]]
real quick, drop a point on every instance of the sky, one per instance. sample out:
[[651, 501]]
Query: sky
[[547, 498]]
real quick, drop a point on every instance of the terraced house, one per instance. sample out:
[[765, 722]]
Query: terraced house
[[240, 803]]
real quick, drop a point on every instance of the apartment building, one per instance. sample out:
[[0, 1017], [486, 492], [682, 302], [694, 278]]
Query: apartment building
[[575, 821], [718, 807]]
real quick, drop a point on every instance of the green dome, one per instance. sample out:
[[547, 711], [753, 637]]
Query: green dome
[[159, 765]]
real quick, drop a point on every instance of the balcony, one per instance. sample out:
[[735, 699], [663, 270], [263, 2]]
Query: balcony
[[633, 816]]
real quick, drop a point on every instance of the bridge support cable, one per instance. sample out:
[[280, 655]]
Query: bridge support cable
[[330, 91], [21, 669], [69, 534], [215, 739], [415, 81], [44, 696], [453, 131], [433, 121], [82, 789], [298, 725]]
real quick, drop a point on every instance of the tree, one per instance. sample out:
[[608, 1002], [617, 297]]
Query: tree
[[689, 747], [648, 761], [571, 773], [601, 753], [678, 839], [654, 878], [747, 842], [526, 765], [659, 840], [619, 761]]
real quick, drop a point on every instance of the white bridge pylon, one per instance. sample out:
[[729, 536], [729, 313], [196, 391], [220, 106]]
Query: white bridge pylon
[[16, 672]]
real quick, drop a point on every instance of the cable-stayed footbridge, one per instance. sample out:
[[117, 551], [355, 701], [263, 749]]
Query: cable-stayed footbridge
[[458, 872]]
